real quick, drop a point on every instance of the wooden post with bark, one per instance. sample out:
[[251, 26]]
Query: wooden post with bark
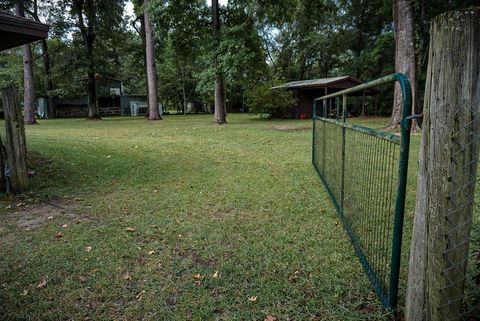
[[3, 161], [447, 171], [15, 145]]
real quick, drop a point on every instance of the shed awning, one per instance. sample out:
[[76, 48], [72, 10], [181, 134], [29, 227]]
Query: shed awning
[[341, 82], [16, 31]]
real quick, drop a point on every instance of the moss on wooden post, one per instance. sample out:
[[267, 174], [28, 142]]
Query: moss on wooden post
[[447, 170], [15, 145]]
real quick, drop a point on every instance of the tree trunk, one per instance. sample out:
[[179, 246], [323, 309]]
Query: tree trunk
[[448, 165], [142, 35], [92, 87], [151, 68], [405, 61], [184, 94], [28, 84], [364, 101], [220, 116], [46, 63], [88, 36], [15, 140], [48, 75]]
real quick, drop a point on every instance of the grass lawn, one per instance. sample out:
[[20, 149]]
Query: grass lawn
[[178, 220]]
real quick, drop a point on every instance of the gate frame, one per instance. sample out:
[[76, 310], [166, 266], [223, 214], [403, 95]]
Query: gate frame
[[389, 302]]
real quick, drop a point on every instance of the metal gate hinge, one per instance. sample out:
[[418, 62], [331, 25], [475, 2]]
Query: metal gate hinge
[[414, 117]]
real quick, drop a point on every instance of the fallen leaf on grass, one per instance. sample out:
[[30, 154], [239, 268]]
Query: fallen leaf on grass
[[50, 218], [141, 260], [24, 293], [65, 225], [82, 278], [216, 275], [151, 252], [42, 284], [198, 276], [253, 298], [140, 295], [270, 318], [59, 235], [88, 249], [293, 278], [130, 229]]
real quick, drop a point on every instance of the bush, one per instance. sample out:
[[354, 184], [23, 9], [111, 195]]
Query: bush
[[270, 103]]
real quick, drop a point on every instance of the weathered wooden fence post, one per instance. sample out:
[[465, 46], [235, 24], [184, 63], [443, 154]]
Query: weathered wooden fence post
[[15, 145], [3, 161], [447, 171]]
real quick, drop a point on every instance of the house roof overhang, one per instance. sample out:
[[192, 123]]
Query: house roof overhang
[[16, 31]]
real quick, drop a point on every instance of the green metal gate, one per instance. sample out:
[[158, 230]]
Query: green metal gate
[[364, 172]]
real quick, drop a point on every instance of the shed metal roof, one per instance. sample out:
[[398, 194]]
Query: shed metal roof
[[16, 31], [324, 82], [310, 83], [317, 83]]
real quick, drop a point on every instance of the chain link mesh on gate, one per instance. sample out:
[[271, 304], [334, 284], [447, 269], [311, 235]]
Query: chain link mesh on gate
[[366, 203], [364, 172], [360, 170]]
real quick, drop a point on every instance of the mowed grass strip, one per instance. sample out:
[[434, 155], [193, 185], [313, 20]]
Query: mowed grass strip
[[176, 220]]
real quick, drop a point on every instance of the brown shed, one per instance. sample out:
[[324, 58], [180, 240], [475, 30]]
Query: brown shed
[[307, 90]]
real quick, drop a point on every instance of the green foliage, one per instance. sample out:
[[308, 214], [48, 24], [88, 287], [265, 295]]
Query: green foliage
[[182, 31], [238, 55], [11, 63], [260, 41], [270, 102], [189, 57]]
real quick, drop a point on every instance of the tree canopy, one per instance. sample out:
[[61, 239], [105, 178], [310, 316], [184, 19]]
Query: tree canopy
[[260, 40]]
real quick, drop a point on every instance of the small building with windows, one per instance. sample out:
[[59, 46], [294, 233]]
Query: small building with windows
[[307, 90], [109, 93]]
